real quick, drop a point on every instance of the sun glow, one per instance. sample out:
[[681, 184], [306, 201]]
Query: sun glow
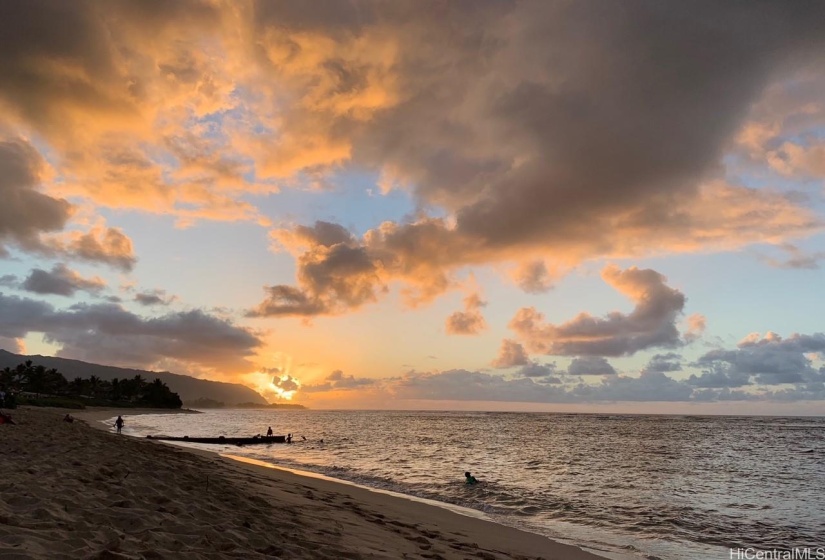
[[281, 392], [278, 382]]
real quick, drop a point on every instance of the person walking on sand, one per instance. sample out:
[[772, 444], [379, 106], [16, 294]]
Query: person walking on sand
[[119, 423]]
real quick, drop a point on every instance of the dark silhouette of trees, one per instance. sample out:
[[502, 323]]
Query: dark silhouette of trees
[[36, 379]]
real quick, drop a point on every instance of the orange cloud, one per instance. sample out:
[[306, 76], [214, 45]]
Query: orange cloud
[[524, 142], [511, 354], [470, 321]]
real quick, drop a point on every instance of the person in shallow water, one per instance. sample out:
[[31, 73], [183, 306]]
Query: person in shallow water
[[469, 479], [119, 423]]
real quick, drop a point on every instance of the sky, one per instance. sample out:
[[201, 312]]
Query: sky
[[555, 206]]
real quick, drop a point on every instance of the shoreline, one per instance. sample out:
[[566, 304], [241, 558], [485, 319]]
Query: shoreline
[[97, 416], [88, 493]]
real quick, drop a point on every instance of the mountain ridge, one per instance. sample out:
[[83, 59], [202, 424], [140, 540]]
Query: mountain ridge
[[187, 387]]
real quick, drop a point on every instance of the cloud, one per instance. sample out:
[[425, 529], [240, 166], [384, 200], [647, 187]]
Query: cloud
[[106, 245], [470, 321], [62, 281], [26, 213], [110, 334], [286, 383], [510, 354], [716, 377], [286, 301], [120, 94], [664, 363], [561, 132], [12, 345], [755, 371], [539, 145], [794, 258], [464, 385], [337, 381], [460, 384], [651, 324], [533, 277], [33, 221], [590, 365], [696, 325], [768, 360], [335, 274], [543, 373], [154, 297]]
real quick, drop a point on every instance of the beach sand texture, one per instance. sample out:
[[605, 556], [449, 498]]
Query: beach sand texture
[[70, 491]]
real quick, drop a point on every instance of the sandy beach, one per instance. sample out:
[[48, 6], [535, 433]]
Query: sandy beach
[[70, 491]]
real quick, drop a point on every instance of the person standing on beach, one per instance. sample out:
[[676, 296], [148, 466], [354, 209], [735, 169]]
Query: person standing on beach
[[119, 423]]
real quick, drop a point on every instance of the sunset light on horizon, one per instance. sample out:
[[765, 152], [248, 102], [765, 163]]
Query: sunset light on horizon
[[509, 206]]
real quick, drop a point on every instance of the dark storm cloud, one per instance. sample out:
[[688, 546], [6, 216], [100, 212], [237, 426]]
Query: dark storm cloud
[[109, 333], [60, 280]]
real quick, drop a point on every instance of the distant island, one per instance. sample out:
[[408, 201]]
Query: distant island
[[212, 403]]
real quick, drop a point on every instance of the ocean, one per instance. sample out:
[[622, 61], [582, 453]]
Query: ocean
[[624, 486]]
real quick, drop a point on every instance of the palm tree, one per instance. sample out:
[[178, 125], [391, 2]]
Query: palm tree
[[116, 389], [94, 385], [35, 378], [76, 386], [54, 382]]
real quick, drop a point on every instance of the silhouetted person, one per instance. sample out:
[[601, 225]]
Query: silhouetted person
[[68, 418], [469, 479], [269, 432], [119, 423], [289, 438]]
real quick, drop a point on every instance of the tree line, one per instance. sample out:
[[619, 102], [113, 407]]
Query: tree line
[[204, 402], [28, 379]]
